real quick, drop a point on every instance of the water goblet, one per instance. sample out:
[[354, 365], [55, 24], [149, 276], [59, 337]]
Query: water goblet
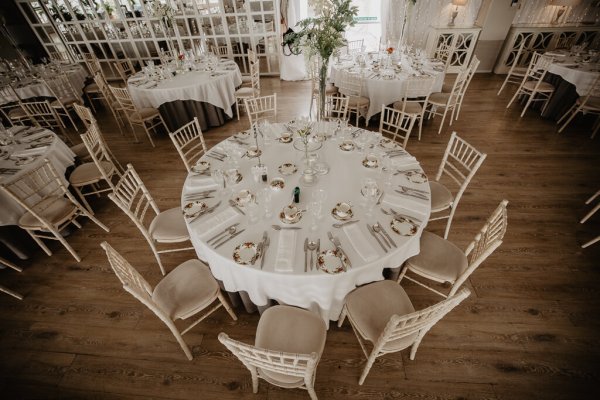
[[264, 197], [316, 212], [370, 192]]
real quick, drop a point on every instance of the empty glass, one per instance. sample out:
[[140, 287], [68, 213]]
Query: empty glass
[[264, 197], [370, 192]]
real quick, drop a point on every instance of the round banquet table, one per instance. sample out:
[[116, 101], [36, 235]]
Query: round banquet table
[[282, 278], [32, 146], [30, 87], [382, 91], [205, 94]]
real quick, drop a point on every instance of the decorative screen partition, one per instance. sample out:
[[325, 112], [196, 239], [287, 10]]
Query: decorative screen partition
[[540, 38], [455, 45], [115, 29]]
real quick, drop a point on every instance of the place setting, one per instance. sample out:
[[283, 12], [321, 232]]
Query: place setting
[[249, 252]]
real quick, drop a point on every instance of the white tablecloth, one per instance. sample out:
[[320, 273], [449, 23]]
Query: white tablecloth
[[316, 290], [216, 87], [76, 74], [581, 75], [57, 152], [382, 91]]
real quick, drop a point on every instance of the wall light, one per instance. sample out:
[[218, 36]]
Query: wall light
[[456, 3]]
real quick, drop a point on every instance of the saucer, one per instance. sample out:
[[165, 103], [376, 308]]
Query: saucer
[[340, 215], [253, 152], [388, 144], [403, 226], [287, 169], [285, 139], [277, 183], [246, 253], [332, 261], [370, 161], [285, 220], [347, 146], [201, 166], [243, 197]]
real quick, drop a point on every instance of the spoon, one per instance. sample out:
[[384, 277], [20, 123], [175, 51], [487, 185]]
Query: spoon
[[231, 230], [312, 246], [340, 224], [379, 229], [397, 214], [278, 228]]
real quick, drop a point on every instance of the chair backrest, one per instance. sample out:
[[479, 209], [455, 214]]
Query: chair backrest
[[60, 86], [189, 142], [538, 66], [123, 97], [221, 51], [397, 124], [131, 195], [485, 243], [261, 108], [84, 114], [471, 69], [460, 162], [443, 53], [336, 108], [593, 93], [255, 76], [252, 59], [420, 322], [60, 56], [124, 69], [92, 63], [417, 90], [290, 364], [457, 88], [351, 84], [12, 100], [355, 46], [42, 114], [516, 60], [37, 189], [95, 145], [104, 89]]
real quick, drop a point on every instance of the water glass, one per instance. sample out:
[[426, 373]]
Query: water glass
[[370, 192], [253, 212], [264, 197], [316, 212], [217, 175]]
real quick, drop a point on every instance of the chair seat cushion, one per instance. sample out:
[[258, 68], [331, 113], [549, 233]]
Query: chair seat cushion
[[439, 259], [447, 87], [17, 113], [370, 308], [544, 86], [88, 173], [169, 227], [329, 90], [441, 198], [54, 209], [412, 107], [292, 330], [358, 101], [66, 101], [247, 92], [246, 79], [439, 99], [91, 88], [519, 71], [145, 113], [186, 290], [80, 151]]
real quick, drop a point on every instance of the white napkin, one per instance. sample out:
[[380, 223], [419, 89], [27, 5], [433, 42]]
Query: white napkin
[[360, 243], [406, 202], [200, 182], [36, 135], [284, 262], [30, 152], [217, 222], [403, 161]]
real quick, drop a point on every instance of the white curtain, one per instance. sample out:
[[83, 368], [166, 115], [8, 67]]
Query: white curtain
[[539, 12]]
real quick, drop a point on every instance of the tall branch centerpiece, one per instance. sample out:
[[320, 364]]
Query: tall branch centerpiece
[[321, 35]]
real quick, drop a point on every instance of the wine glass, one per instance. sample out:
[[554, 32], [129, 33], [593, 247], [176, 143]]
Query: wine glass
[[370, 192]]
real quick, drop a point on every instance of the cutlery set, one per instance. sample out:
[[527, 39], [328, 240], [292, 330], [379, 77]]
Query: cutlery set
[[216, 155], [338, 246], [412, 193], [206, 194], [234, 205], [262, 249], [404, 171], [9, 171], [279, 228], [397, 214], [311, 246], [341, 224], [383, 238]]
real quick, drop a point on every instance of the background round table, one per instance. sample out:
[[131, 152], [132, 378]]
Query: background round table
[[315, 290]]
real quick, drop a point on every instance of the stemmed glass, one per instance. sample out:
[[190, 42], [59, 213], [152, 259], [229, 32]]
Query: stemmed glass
[[387, 171]]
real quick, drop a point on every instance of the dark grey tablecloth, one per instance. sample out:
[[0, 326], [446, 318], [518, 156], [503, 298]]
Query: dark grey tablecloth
[[180, 112]]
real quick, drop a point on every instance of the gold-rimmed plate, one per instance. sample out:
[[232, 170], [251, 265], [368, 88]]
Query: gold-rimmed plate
[[416, 177], [287, 169], [193, 208], [201, 166], [347, 146], [403, 226], [277, 184], [332, 262], [246, 253], [342, 211], [243, 197]]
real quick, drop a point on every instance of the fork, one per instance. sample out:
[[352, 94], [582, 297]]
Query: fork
[[397, 214]]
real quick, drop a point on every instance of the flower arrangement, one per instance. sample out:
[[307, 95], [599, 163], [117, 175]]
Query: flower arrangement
[[390, 50], [181, 57], [163, 11]]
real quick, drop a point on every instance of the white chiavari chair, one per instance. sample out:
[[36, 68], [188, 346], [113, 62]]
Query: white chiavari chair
[[336, 108], [287, 348], [533, 86], [471, 69], [262, 108], [396, 125], [355, 46], [92, 63], [415, 99], [59, 56], [6, 290], [460, 163], [351, 87], [221, 51], [189, 142], [447, 101], [49, 205], [381, 313], [515, 73], [114, 106], [64, 96], [146, 118], [588, 104], [124, 69], [185, 292], [443, 53], [157, 227], [252, 60], [244, 93], [441, 261], [11, 111]]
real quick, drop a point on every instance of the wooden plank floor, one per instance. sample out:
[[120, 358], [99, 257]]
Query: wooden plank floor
[[529, 331]]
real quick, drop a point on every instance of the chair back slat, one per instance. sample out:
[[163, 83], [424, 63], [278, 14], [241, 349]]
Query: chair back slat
[[101, 156], [42, 114], [336, 108], [396, 124], [84, 114], [189, 142], [123, 98], [60, 86], [460, 161], [490, 235], [262, 108], [351, 84], [355, 46], [129, 276]]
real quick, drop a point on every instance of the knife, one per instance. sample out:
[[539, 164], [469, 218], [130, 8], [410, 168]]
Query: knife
[[265, 247], [415, 195], [338, 246], [232, 204], [409, 189], [222, 232], [318, 249], [372, 232], [397, 214], [228, 239], [387, 235], [305, 253]]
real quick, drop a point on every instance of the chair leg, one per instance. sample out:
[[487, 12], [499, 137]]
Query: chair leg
[[591, 242], [588, 215], [514, 97], [82, 198], [403, 272], [10, 265], [342, 317], [443, 119], [450, 217], [311, 392], [11, 293], [503, 84], [237, 108], [227, 306], [67, 246], [40, 243], [148, 134], [370, 362]]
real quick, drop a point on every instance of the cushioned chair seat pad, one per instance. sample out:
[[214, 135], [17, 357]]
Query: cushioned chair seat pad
[[80, 150], [247, 92], [441, 198], [544, 86], [439, 259], [89, 173], [186, 290], [439, 99], [410, 108], [358, 101], [169, 227], [370, 308], [92, 88], [290, 330], [145, 113], [16, 113], [66, 101], [54, 209]]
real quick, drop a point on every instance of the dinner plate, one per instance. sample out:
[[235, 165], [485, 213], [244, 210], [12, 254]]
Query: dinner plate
[[277, 184], [332, 261], [253, 152], [342, 211], [201, 166], [370, 161], [246, 253], [388, 144], [243, 135], [403, 226], [347, 146], [285, 220], [243, 197], [287, 169], [416, 177], [239, 177], [193, 208]]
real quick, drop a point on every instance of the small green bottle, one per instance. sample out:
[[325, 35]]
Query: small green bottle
[[296, 195]]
